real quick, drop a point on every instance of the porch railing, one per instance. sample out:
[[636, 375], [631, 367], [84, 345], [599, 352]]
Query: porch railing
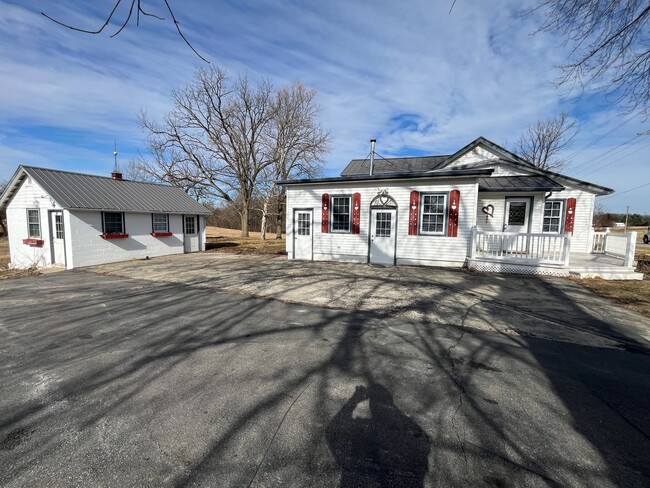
[[529, 248], [620, 246], [598, 243]]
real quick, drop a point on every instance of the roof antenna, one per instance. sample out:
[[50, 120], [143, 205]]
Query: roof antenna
[[116, 175], [372, 156]]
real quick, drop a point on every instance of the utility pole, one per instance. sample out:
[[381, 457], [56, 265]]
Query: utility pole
[[627, 215]]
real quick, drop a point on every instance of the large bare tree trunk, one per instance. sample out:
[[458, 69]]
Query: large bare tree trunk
[[278, 230], [244, 221]]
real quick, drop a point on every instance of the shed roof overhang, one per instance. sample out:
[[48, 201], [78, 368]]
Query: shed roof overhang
[[508, 184], [459, 173]]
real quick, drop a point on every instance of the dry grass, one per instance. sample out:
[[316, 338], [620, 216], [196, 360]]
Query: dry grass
[[632, 294], [5, 272], [230, 241]]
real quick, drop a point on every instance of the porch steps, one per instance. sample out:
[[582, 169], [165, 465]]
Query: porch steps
[[605, 273]]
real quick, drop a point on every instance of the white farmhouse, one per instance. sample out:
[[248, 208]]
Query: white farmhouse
[[59, 218], [483, 207]]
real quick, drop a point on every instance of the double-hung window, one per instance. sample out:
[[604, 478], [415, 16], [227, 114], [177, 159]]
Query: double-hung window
[[160, 222], [552, 216], [34, 224], [113, 222], [433, 213], [341, 214]]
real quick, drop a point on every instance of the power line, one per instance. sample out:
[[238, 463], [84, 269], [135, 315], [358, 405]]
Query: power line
[[599, 138], [580, 167], [617, 159], [624, 192]]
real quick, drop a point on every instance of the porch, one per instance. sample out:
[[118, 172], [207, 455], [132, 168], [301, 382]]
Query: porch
[[611, 258]]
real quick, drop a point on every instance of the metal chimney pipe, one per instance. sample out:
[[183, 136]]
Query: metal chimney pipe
[[372, 156]]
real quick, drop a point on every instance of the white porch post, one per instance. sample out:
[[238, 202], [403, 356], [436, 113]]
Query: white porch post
[[472, 243], [630, 247], [567, 249]]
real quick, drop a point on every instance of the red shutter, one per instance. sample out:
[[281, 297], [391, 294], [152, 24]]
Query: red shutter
[[570, 215], [414, 206], [454, 206], [356, 213], [325, 222]]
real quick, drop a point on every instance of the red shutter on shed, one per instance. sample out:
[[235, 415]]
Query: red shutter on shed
[[454, 205], [356, 213], [414, 206], [325, 222], [570, 215]]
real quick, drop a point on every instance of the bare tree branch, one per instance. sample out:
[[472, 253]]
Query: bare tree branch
[[542, 142], [231, 140], [610, 47], [137, 4]]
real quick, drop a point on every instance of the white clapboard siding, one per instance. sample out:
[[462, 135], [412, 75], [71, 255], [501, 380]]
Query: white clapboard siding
[[476, 155], [434, 250]]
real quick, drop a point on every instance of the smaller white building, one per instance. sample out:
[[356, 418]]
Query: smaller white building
[[59, 218]]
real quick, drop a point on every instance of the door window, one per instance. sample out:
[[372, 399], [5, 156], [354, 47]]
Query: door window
[[58, 225], [190, 225], [517, 213], [382, 224], [304, 224]]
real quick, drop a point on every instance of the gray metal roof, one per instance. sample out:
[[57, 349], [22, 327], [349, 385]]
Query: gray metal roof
[[82, 191], [518, 183], [452, 173], [394, 165]]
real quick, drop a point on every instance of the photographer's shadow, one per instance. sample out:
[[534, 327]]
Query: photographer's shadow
[[378, 445]]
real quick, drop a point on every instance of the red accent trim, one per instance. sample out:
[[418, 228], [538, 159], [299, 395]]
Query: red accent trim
[[325, 221], [570, 215], [113, 236], [356, 213], [454, 206], [414, 206], [34, 242], [161, 234]]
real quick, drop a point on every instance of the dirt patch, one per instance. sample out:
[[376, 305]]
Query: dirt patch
[[230, 241]]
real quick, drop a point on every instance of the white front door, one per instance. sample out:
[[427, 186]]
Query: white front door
[[191, 235], [517, 214], [516, 221], [58, 239], [382, 236], [302, 234]]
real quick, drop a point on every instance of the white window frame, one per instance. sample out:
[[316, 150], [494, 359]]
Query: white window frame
[[37, 223], [560, 217], [421, 215], [341, 231], [122, 231], [157, 226], [303, 230], [194, 225]]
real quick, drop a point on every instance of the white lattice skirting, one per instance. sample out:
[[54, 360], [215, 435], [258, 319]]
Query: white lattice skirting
[[492, 267]]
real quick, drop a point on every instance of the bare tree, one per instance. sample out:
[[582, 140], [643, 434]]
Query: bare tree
[[221, 138], [542, 142], [298, 144], [134, 5], [3, 213], [610, 46]]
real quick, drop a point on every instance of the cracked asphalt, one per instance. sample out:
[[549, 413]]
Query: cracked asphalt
[[122, 377]]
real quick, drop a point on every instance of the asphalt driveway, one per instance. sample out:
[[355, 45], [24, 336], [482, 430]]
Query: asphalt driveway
[[110, 380]]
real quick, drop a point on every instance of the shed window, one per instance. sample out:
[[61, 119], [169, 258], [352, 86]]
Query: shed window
[[160, 222], [340, 214], [552, 216], [34, 224], [113, 222], [432, 213]]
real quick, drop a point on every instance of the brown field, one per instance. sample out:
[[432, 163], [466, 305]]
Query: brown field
[[230, 241]]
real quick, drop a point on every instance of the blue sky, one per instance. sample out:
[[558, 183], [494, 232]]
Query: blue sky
[[408, 73]]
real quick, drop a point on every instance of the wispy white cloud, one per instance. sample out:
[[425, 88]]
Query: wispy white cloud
[[475, 72]]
